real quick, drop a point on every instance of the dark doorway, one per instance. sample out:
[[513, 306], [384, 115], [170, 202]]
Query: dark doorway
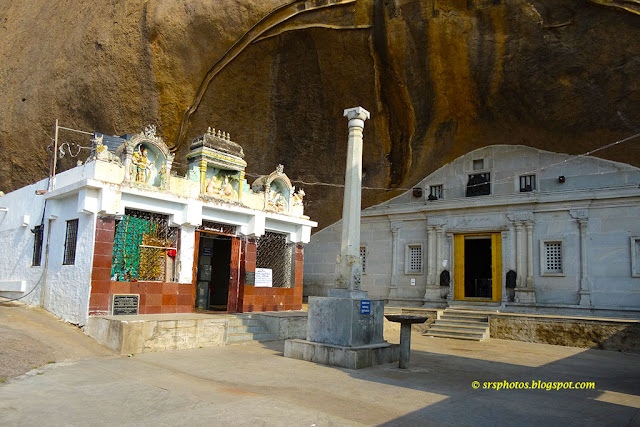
[[213, 274], [477, 267]]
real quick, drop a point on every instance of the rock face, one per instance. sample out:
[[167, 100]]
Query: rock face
[[440, 77]]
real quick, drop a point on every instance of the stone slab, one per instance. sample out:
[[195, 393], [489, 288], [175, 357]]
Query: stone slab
[[341, 356], [339, 321]]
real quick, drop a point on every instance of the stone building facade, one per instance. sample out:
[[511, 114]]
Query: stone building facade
[[505, 226]]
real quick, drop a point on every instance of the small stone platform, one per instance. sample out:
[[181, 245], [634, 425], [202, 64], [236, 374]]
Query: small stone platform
[[128, 334], [342, 356]]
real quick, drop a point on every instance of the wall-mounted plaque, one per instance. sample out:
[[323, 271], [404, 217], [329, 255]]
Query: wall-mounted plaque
[[125, 304]]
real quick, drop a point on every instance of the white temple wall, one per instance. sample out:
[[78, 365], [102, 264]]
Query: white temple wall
[[17, 276], [67, 288]]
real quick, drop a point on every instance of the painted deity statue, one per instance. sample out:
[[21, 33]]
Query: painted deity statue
[[141, 165]]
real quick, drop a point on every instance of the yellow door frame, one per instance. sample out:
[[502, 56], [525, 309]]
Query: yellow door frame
[[496, 266]]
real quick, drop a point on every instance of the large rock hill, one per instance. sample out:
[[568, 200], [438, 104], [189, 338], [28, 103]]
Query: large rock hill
[[440, 77]]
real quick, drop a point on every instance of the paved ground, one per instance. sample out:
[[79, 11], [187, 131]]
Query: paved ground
[[253, 384]]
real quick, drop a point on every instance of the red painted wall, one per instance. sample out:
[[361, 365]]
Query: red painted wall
[[164, 297]]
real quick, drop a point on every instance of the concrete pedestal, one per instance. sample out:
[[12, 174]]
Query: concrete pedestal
[[345, 332], [341, 321]]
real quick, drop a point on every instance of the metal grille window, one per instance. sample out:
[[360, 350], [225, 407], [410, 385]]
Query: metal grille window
[[414, 259], [37, 245], [363, 258], [435, 192], [553, 257], [273, 252], [144, 247], [479, 184], [70, 241], [527, 183]]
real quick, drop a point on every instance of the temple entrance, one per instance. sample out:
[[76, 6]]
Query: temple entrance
[[213, 272], [478, 267]]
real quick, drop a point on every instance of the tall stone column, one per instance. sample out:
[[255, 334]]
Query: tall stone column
[[520, 266], [346, 328], [349, 265]]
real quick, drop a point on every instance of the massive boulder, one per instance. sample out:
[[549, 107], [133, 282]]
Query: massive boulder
[[440, 78]]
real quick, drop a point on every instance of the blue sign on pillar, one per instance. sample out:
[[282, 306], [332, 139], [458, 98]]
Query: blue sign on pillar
[[365, 306]]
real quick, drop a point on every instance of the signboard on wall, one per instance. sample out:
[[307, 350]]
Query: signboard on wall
[[264, 278], [125, 304]]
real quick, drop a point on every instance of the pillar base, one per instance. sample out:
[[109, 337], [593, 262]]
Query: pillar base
[[432, 293], [525, 295], [585, 298], [342, 356]]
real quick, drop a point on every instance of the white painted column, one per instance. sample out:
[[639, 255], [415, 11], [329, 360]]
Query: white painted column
[[438, 255], [529, 226], [450, 266], [393, 286], [431, 259], [349, 266], [520, 267], [585, 292]]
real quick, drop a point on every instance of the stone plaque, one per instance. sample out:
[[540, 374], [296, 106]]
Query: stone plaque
[[125, 304], [250, 278]]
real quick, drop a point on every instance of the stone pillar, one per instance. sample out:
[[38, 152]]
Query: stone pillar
[[523, 293], [430, 258], [519, 241], [349, 265], [451, 266], [432, 290], [505, 240], [585, 292], [346, 329], [393, 286], [438, 257], [203, 176], [529, 226]]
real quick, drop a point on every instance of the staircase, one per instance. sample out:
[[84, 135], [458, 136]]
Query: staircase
[[242, 328], [462, 324]]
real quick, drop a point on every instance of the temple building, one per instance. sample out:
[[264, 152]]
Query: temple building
[[508, 227], [122, 233]]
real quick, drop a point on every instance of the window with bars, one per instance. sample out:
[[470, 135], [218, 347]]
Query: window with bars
[[414, 259], [273, 252], [435, 192], [552, 258], [479, 184], [37, 245], [527, 183], [363, 258], [70, 241], [145, 247]]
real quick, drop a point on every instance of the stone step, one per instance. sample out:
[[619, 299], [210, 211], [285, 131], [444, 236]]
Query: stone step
[[439, 335], [467, 327], [456, 332], [456, 321], [465, 313], [249, 336], [238, 321], [453, 318], [245, 329]]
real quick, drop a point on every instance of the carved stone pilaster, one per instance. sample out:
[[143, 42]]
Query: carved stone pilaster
[[393, 286]]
